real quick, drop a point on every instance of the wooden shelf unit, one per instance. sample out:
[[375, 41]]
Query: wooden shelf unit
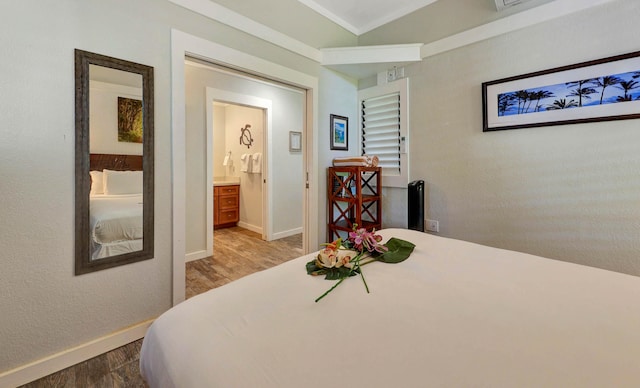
[[354, 197]]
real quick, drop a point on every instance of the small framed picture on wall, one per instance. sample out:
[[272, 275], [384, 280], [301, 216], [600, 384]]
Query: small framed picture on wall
[[339, 133]]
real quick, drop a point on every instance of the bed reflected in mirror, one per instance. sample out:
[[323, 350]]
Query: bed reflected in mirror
[[114, 162], [115, 205]]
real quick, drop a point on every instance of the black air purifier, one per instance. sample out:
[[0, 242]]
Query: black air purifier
[[416, 205]]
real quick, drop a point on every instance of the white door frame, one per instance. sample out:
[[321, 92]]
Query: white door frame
[[182, 45], [266, 105]]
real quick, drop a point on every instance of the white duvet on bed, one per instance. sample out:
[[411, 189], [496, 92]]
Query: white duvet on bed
[[116, 224], [455, 314]]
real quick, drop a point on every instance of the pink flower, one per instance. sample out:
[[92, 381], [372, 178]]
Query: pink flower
[[362, 240]]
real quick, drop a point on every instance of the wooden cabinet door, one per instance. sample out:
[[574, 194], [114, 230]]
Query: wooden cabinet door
[[226, 209]]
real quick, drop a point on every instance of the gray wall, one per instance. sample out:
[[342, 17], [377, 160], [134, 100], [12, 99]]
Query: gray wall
[[567, 192], [339, 96], [441, 19]]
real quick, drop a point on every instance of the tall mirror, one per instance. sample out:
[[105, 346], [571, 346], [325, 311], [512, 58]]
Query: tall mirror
[[114, 162]]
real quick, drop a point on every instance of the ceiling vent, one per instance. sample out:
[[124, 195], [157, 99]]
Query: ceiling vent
[[504, 4]]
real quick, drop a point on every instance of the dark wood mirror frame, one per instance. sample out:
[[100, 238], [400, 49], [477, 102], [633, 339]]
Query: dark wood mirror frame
[[83, 263]]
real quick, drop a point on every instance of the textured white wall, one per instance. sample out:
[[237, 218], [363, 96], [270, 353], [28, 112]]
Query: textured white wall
[[44, 308], [237, 117], [287, 177], [338, 96], [219, 147], [567, 192]]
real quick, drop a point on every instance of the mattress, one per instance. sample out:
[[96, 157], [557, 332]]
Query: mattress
[[115, 248], [116, 224], [454, 314]]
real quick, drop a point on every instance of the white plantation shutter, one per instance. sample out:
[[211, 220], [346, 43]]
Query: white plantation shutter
[[384, 129], [381, 130]]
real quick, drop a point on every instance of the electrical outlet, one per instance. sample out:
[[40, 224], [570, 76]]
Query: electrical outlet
[[432, 226]]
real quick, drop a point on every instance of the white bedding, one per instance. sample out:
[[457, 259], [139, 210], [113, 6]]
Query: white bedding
[[116, 224], [455, 314]]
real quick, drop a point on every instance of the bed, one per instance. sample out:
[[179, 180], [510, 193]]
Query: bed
[[116, 224], [115, 205], [454, 314]]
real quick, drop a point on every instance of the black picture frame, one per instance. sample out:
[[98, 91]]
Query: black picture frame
[[339, 133], [599, 90]]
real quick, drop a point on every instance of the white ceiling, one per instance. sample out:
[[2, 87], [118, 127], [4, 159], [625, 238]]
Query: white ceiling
[[360, 16]]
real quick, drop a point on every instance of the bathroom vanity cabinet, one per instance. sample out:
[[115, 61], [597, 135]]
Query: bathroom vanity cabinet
[[226, 206]]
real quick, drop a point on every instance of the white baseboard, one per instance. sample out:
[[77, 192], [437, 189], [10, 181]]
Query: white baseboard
[[250, 227], [197, 256], [287, 233], [59, 361]]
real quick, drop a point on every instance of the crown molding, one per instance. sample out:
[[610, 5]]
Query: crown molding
[[371, 24], [233, 19], [371, 54], [530, 17], [331, 16], [346, 57]]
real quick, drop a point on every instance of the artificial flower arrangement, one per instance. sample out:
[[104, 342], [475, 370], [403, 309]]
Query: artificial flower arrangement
[[341, 259]]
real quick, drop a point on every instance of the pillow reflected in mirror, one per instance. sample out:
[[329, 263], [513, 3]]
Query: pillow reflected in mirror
[[97, 186], [122, 182]]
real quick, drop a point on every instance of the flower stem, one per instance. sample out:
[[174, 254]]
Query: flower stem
[[331, 289], [363, 281]]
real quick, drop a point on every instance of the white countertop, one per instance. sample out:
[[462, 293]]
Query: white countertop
[[226, 181]]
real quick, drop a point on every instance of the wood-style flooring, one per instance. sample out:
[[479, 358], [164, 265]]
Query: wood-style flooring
[[117, 368], [237, 252]]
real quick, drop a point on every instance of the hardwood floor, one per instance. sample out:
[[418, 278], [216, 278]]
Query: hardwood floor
[[237, 252], [117, 368]]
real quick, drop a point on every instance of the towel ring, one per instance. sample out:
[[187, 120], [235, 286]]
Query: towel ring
[[245, 136]]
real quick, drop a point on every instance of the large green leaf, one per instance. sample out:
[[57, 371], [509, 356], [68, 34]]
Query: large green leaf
[[313, 269], [399, 251], [339, 273]]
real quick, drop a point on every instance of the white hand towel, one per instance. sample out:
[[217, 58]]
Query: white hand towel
[[226, 160], [256, 163], [245, 163]]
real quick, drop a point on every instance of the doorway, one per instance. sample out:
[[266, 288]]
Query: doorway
[[248, 122], [184, 45], [238, 143]]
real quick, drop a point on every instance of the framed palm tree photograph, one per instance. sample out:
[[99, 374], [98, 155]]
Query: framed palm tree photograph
[[598, 90]]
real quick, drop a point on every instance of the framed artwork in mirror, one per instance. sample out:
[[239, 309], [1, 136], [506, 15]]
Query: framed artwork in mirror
[[129, 120], [114, 166]]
